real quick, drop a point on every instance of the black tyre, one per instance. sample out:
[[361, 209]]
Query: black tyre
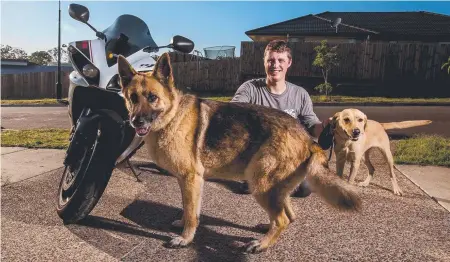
[[83, 183]]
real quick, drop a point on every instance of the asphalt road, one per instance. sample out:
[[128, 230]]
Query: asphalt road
[[57, 117], [35, 117], [440, 115], [132, 223]]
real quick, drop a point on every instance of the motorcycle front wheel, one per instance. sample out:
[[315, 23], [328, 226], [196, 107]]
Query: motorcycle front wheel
[[82, 183]]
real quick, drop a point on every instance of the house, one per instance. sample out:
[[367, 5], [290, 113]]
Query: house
[[21, 66], [354, 27]]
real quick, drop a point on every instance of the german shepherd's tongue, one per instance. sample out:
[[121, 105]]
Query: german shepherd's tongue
[[141, 131]]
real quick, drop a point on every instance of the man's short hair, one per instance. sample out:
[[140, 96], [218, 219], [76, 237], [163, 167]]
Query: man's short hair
[[278, 46]]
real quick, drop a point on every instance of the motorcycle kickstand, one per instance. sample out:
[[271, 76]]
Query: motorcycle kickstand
[[133, 169]]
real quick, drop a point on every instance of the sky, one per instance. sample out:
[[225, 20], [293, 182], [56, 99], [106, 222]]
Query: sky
[[33, 25]]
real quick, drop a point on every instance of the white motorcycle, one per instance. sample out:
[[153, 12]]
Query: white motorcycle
[[101, 135]]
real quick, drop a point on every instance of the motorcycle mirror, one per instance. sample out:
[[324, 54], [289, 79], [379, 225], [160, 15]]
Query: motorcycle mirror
[[79, 12], [182, 44]]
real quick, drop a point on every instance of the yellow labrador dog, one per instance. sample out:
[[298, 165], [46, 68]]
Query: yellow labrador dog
[[354, 135]]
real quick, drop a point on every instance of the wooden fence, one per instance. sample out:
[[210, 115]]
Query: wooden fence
[[176, 57], [210, 76], [372, 69], [361, 61], [33, 85], [43, 84], [395, 69]]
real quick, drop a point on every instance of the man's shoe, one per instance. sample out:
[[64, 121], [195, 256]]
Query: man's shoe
[[302, 190]]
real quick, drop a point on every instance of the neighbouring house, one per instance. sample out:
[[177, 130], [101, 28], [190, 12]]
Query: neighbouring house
[[21, 66], [354, 27], [377, 50]]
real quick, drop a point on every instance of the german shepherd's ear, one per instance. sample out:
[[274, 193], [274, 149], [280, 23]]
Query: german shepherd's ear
[[126, 71], [163, 69]]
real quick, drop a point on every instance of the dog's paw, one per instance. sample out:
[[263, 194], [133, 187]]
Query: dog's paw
[[363, 184], [398, 192], [254, 246], [178, 223], [178, 242]]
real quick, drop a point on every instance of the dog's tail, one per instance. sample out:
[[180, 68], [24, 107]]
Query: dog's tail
[[405, 124], [332, 188]]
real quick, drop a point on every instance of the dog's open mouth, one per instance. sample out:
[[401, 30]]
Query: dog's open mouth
[[355, 138], [142, 131]]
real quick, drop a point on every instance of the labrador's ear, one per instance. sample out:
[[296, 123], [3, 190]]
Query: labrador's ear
[[326, 136], [365, 122], [334, 120]]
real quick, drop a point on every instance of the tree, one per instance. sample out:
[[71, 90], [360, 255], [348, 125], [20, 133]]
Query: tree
[[40, 58], [54, 54], [9, 52], [447, 64], [326, 59]]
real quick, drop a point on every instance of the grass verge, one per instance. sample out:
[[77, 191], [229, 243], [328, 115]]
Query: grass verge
[[354, 99], [36, 138], [45, 101], [419, 150], [315, 99], [423, 150]]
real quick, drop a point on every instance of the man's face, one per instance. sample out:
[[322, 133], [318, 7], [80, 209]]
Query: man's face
[[276, 65]]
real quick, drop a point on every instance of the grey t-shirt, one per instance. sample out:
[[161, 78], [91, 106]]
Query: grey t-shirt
[[294, 100]]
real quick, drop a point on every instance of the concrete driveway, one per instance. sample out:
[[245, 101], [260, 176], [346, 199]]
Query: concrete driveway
[[132, 223]]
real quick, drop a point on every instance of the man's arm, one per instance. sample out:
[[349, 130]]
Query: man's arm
[[242, 94], [318, 128], [308, 118]]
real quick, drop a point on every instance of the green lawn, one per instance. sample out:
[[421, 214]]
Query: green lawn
[[353, 99], [36, 138], [46, 101], [315, 99], [421, 150]]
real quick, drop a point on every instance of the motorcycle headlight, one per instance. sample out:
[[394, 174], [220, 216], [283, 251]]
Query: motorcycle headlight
[[90, 71]]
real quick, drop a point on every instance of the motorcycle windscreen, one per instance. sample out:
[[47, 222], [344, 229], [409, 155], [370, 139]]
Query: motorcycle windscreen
[[127, 35]]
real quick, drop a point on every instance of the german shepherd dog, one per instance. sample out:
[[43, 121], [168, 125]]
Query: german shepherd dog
[[195, 139]]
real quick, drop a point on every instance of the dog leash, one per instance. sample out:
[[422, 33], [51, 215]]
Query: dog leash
[[331, 150]]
